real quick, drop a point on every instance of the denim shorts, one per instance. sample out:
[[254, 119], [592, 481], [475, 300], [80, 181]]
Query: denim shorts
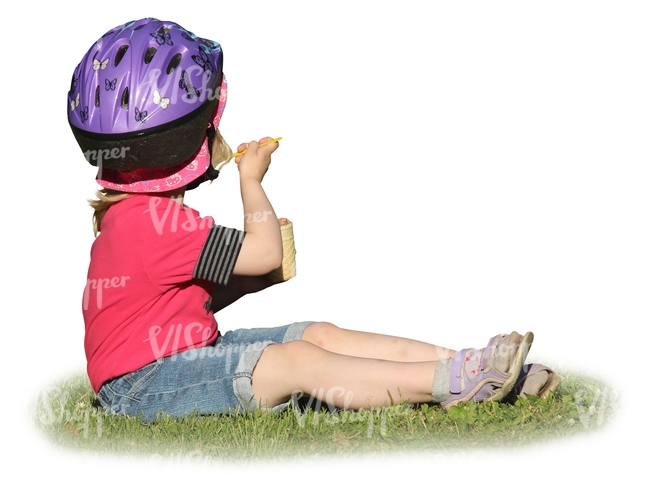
[[214, 379]]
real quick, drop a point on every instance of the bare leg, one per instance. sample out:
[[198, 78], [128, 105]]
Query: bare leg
[[341, 380], [370, 345]]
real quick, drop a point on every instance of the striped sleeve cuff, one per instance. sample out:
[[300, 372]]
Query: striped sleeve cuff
[[219, 254]]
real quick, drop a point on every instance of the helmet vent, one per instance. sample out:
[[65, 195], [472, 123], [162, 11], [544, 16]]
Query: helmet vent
[[97, 91], [174, 62], [120, 54], [125, 98], [148, 56]]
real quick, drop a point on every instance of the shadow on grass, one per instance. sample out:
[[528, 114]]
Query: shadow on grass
[[70, 416]]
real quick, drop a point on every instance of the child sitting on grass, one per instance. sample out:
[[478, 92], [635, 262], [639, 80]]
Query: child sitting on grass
[[145, 106]]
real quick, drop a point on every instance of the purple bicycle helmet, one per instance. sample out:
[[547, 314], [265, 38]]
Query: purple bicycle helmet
[[144, 97]]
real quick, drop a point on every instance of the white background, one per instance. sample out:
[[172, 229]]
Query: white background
[[453, 170]]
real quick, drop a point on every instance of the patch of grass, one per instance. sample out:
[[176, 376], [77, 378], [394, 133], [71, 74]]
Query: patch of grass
[[70, 416]]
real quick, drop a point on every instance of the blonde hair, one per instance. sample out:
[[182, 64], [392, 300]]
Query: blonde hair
[[221, 155], [221, 152], [105, 199]]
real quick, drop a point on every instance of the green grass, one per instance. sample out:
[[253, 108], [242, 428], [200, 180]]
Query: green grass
[[69, 416]]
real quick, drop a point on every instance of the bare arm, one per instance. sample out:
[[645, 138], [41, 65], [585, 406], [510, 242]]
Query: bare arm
[[261, 251]]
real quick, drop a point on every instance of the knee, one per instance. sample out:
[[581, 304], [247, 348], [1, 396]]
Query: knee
[[322, 333], [289, 355]]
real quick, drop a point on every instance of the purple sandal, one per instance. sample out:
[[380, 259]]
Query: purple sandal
[[474, 375]]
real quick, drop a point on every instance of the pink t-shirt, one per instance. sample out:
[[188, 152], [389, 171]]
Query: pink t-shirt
[[148, 293]]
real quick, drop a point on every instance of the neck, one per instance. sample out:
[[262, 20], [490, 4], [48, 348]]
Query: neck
[[176, 195]]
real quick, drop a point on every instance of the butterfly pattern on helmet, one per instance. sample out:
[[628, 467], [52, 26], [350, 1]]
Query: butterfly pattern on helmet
[[140, 116], [74, 103], [99, 65], [186, 84], [162, 37], [159, 100], [110, 85], [84, 114], [203, 61]]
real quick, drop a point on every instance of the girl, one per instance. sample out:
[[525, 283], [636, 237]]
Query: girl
[[145, 105]]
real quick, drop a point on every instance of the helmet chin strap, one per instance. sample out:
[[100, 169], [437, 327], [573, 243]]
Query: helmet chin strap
[[211, 173]]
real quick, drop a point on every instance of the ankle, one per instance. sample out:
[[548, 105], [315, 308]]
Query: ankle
[[440, 389]]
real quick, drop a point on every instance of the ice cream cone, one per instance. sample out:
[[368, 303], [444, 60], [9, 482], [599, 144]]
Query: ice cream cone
[[288, 268]]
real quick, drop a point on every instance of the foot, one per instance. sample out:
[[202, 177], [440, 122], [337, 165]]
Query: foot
[[488, 374]]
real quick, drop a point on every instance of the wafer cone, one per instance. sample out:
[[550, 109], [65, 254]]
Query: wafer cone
[[288, 268]]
